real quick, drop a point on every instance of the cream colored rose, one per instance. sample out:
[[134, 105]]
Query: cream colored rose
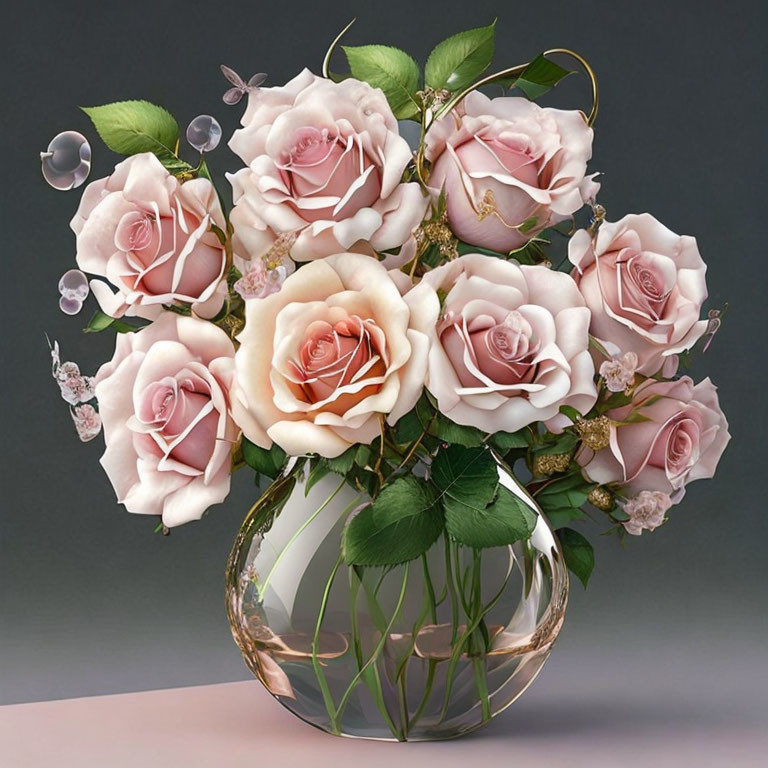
[[508, 345], [325, 162], [329, 355]]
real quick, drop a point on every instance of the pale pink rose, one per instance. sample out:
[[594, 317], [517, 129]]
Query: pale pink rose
[[506, 161], [644, 286], [325, 161], [509, 346], [646, 511], [321, 361], [151, 237], [682, 440], [164, 402], [619, 372]]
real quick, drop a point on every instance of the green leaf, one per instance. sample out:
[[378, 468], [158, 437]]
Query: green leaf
[[173, 164], [131, 127], [540, 76], [101, 321], [268, 462], [563, 443], [457, 434], [528, 224], [507, 520], [570, 412], [562, 516], [578, 553], [569, 497], [390, 69], [409, 427], [506, 441], [318, 469], [343, 463], [467, 479], [401, 524], [458, 61]]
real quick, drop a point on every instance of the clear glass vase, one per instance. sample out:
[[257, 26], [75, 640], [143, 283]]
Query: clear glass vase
[[430, 649]]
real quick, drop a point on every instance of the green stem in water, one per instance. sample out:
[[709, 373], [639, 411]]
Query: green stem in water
[[451, 591], [375, 654], [326, 691], [371, 676], [432, 662], [458, 646], [482, 687]]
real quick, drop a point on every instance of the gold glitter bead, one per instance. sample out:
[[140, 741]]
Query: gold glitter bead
[[548, 464], [601, 498], [595, 433]]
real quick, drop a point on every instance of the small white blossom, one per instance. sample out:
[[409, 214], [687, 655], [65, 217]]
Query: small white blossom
[[87, 421], [619, 372], [646, 511], [260, 281]]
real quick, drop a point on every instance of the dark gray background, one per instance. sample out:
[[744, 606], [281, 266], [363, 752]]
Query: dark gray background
[[671, 630]]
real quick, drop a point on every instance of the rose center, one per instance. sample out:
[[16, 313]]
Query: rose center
[[682, 446], [332, 357]]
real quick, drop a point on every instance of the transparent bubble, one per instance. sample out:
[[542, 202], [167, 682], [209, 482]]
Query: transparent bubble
[[67, 161], [70, 306], [204, 133], [73, 287]]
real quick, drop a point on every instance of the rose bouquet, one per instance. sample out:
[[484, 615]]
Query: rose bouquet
[[437, 404]]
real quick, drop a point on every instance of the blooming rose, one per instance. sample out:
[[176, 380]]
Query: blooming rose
[[164, 403], [508, 346], [506, 161], [323, 359], [151, 237], [324, 161], [682, 440], [644, 285]]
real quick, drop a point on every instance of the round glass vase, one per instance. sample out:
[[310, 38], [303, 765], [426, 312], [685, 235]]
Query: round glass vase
[[429, 649]]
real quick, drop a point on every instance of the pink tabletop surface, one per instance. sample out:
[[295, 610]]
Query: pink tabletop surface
[[236, 724]]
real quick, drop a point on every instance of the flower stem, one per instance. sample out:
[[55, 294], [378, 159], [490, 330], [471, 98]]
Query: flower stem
[[323, 683], [376, 653]]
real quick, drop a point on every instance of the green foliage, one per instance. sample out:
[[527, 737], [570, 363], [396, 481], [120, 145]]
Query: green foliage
[[506, 441], [459, 61], [101, 321], [266, 461], [570, 412], [578, 553], [456, 434], [506, 520], [561, 517], [390, 69], [568, 491], [551, 443], [401, 524], [540, 76], [467, 479], [131, 127]]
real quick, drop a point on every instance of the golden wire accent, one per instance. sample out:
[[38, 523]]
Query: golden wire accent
[[451, 103]]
